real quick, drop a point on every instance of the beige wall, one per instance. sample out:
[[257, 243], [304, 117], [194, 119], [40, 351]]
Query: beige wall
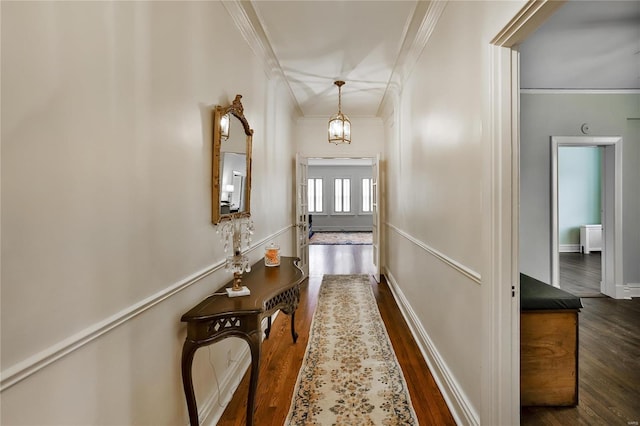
[[367, 138], [106, 196], [438, 209]]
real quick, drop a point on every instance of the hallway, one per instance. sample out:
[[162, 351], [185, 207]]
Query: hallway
[[281, 359]]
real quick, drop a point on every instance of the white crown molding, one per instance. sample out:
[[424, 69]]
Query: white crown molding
[[467, 272], [459, 405], [423, 22], [42, 359], [579, 91], [248, 23], [526, 21]]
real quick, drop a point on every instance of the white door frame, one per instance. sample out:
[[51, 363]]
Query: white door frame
[[501, 402], [375, 175], [302, 213], [611, 210], [375, 161]]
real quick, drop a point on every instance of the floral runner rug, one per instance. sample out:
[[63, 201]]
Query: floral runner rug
[[350, 374], [340, 238]]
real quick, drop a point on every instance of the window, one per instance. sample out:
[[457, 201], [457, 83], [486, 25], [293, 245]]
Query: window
[[367, 195], [342, 195], [314, 195]]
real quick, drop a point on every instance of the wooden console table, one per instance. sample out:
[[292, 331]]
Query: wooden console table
[[219, 317]]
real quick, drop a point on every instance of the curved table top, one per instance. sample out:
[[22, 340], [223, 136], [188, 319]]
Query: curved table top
[[264, 283]]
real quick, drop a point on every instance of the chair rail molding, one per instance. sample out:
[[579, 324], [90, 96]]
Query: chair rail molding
[[53, 353], [464, 270]]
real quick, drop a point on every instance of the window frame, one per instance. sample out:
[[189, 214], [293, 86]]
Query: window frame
[[342, 196], [362, 194], [322, 195]]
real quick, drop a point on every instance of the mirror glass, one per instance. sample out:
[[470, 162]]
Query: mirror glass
[[231, 174]]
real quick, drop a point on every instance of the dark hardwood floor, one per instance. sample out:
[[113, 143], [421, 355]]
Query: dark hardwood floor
[[609, 357], [609, 352], [609, 368], [281, 359], [580, 274]]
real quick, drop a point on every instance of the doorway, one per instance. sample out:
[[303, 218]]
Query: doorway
[[336, 195], [611, 207]]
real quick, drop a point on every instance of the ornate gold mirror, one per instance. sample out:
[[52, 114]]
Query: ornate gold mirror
[[231, 165]]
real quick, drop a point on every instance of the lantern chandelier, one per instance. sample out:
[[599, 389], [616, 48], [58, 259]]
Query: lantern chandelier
[[339, 124]]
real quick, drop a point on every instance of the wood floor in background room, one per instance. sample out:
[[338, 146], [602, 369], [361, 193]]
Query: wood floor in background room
[[281, 359], [580, 274]]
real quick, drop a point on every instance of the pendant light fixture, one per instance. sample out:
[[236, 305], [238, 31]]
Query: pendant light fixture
[[339, 124]]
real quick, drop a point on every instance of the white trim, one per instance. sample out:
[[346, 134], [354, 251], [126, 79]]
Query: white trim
[[633, 289], [459, 404], [340, 161], [20, 371], [525, 22], [501, 378], [611, 279], [468, 272], [579, 91], [210, 412], [248, 22], [416, 35], [569, 248]]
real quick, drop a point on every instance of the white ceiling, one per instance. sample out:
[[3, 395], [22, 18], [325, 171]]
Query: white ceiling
[[586, 44], [318, 42]]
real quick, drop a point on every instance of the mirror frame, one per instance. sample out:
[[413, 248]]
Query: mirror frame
[[236, 110]]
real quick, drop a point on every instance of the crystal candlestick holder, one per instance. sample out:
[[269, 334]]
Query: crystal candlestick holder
[[236, 233]]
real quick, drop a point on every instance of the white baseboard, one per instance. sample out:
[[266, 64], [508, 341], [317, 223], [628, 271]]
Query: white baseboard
[[634, 289], [461, 408], [569, 248], [211, 411]]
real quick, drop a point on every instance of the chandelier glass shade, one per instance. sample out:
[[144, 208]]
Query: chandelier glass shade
[[339, 124]]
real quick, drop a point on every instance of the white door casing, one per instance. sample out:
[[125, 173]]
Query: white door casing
[[611, 210], [302, 213], [375, 174]]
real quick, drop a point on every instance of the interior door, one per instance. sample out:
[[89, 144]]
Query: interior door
[[376, 216], [302, 213]]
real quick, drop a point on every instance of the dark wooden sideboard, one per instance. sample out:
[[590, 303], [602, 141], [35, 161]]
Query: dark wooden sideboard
[[219, 317]]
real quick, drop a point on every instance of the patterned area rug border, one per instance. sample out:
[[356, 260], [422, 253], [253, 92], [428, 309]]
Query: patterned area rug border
[[350, 374], [341, 238]]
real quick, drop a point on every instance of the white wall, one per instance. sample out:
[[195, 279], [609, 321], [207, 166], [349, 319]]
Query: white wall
[[546, 115], [437, 203], [106, 168], [367, 138]]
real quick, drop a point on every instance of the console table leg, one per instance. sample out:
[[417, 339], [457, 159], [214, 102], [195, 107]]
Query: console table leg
[[188, 351], [268, 330], [294, 335], [254, 345]]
